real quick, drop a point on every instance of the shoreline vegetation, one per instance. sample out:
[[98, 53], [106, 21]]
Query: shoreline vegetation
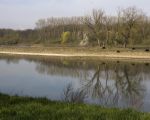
[[23, 108], [78, 52], [129, 27]]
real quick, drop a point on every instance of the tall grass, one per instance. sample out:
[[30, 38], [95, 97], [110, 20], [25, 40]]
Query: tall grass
[[25, 108]]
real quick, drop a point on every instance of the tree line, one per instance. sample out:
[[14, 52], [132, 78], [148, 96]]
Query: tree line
[[131, 26]]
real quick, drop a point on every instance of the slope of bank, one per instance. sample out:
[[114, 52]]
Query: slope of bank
[[77, 52], [25, 108]]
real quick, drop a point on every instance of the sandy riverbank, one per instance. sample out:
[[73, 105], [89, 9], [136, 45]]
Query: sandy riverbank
[[75, 52]]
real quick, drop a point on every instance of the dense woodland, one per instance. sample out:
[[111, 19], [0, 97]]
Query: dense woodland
[[130, 27]]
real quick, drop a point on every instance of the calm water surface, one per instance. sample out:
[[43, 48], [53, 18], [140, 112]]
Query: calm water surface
[[110, 84]]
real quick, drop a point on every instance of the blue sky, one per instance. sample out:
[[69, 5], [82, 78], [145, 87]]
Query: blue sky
[[22, 14]]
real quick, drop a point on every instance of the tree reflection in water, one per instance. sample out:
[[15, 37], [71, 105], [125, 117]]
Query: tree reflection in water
[[119, 87], [129, 85], [112, 84]]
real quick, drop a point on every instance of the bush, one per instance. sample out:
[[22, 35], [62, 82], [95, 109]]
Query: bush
[[8, 41], [133, 48], [146, 50], [118, 51], [65, 37], [103, 47]]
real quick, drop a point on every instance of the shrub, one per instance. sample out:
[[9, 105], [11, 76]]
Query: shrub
[[133, 48], [65, 37], [146, 50], [118, 51], [103, 47]]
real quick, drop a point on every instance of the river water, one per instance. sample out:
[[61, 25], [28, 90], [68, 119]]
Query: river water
[[106, 83]]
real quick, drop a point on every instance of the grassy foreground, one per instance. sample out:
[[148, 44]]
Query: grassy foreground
[[25, 108]]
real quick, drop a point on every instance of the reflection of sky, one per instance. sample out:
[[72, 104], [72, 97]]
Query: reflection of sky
[[23, 79], [24, 13], [146, 105]]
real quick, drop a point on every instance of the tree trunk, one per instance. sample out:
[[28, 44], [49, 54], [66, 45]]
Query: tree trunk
[[103, 44], [98, 42], [125, 44]]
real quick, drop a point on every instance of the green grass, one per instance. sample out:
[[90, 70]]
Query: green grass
[[25, 108]]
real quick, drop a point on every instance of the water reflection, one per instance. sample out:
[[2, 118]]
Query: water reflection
[[109, 83], [119, 87]]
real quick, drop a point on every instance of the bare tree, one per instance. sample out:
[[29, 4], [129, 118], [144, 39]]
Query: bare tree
[[129, 19], [95, 26]]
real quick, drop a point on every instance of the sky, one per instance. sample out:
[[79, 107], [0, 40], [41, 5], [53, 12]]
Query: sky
[[23, 14]]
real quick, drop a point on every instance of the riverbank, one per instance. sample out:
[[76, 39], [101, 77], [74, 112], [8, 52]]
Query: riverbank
[[25, 108], [83, 52]]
